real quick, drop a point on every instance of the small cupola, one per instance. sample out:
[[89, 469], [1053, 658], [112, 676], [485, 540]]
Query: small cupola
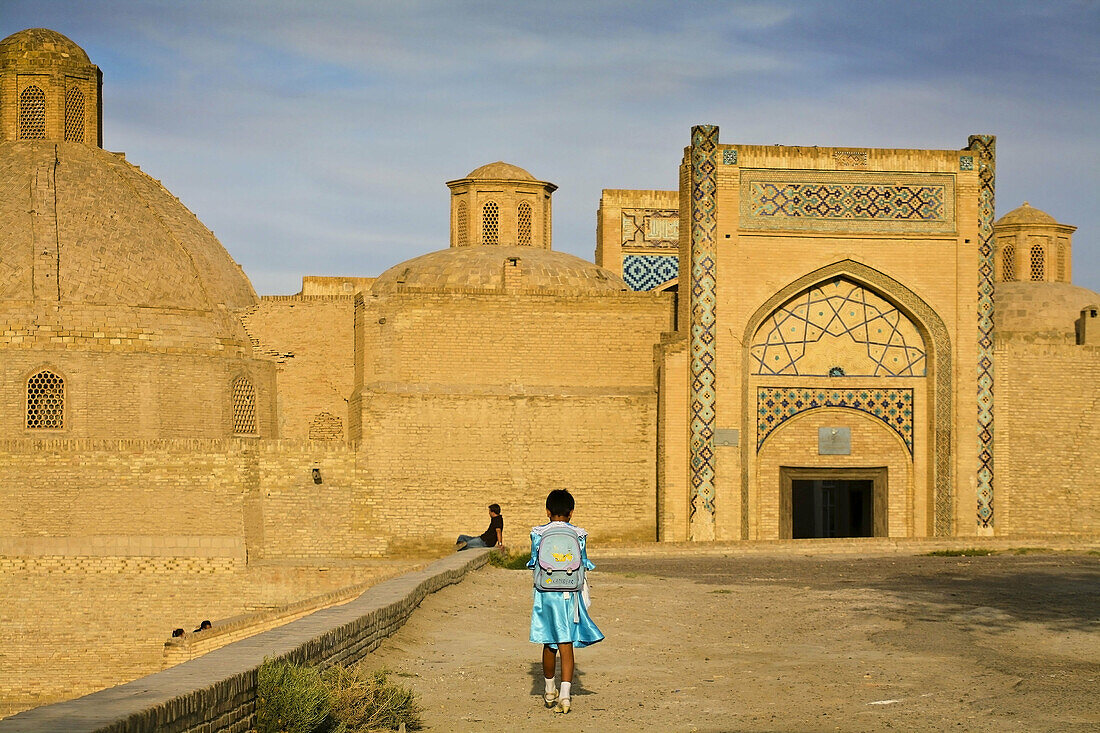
[[1031, 246], [500, 204], [49, 89]]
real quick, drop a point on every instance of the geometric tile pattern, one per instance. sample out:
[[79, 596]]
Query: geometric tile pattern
[[703, 301], [776, 405], [729, 156], [847, 201], [806, 335], [651, 228], [646, 272], [985, 148], [966, 162]]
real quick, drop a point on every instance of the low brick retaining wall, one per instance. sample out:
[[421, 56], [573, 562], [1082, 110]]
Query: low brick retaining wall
[[217, 692]]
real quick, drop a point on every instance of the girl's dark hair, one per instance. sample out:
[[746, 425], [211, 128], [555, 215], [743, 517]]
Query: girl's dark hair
[[559, 503], [494, 508]]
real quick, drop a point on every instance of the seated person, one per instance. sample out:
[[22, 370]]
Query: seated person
[[492, 537]]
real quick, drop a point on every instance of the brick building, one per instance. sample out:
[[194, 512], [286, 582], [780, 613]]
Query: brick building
[[838, 342]]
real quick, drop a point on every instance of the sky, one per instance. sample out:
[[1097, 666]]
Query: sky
[[314, 138]]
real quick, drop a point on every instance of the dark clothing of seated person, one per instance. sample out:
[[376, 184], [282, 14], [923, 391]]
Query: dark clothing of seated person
[[492, 537]]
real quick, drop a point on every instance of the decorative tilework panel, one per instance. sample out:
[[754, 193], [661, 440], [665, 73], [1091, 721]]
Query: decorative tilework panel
[[703, 301], [651, 228], [985, 149], [966, 162], [729, 157], [646, 272], [813, 333], [776, 405], [847, 201], [850, 158]]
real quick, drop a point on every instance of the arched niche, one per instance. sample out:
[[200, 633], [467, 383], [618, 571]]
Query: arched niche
[[935, 343]]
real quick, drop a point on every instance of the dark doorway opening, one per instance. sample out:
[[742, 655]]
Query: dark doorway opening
[[823, 508], [832, 502]]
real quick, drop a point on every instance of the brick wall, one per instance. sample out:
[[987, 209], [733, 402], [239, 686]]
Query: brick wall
[[216, 693], [1048, 480], [310, 339]]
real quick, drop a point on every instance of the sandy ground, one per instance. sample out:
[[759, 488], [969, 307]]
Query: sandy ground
[[999, 643]]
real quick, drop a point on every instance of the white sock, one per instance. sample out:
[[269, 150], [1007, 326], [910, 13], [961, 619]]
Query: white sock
[[549, 685], [565, 689]]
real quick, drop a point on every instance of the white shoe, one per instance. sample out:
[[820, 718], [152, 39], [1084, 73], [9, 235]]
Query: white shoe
[[551, 698], [563, 705]]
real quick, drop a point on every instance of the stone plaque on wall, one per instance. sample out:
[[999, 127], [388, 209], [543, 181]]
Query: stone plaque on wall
[[727, 437], [834, 441]]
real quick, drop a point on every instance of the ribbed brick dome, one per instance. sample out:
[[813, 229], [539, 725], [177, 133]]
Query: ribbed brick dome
[[482, 268], [1026, 214], [500, 170], [40, 44], [120, 236], [1040, 311]]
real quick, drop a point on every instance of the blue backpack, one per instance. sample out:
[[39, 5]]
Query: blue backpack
[[558, 565]]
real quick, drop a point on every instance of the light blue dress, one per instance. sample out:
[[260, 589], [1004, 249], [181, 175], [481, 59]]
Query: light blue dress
[[553, 613]]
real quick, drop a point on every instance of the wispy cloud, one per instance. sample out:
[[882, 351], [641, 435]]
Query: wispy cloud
[[316, 137]]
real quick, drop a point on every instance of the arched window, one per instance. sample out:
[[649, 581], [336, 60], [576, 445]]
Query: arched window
[[524, 224], [45, 401], [74, 115], [1008, 263], [1037, 273], [32, 114], [1062, 262], [244, 407], [463, 225], [490, 223]]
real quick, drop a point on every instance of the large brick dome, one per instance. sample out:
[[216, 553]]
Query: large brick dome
[[484, 267], [114, 235], [1041, 312]]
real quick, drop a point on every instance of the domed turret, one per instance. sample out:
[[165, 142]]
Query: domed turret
[[1032, 246], [49, 89], [500, 204]]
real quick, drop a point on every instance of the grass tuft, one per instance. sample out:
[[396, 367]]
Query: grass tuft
[[965, 552], [365, 702], [509, 561], [292, 699]]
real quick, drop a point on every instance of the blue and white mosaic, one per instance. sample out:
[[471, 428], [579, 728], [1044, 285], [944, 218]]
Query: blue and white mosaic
[[648, 272]]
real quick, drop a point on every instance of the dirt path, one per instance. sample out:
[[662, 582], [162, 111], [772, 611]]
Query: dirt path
[[1001, 643]]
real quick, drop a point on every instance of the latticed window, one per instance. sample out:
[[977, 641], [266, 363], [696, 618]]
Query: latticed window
[[45, 401], [1061, 261], [490, 223], [1037, 263], [546, 223], [1008, 263], [32, 114], [463, 224], [74, 115], [525, 224], [244, 407]]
